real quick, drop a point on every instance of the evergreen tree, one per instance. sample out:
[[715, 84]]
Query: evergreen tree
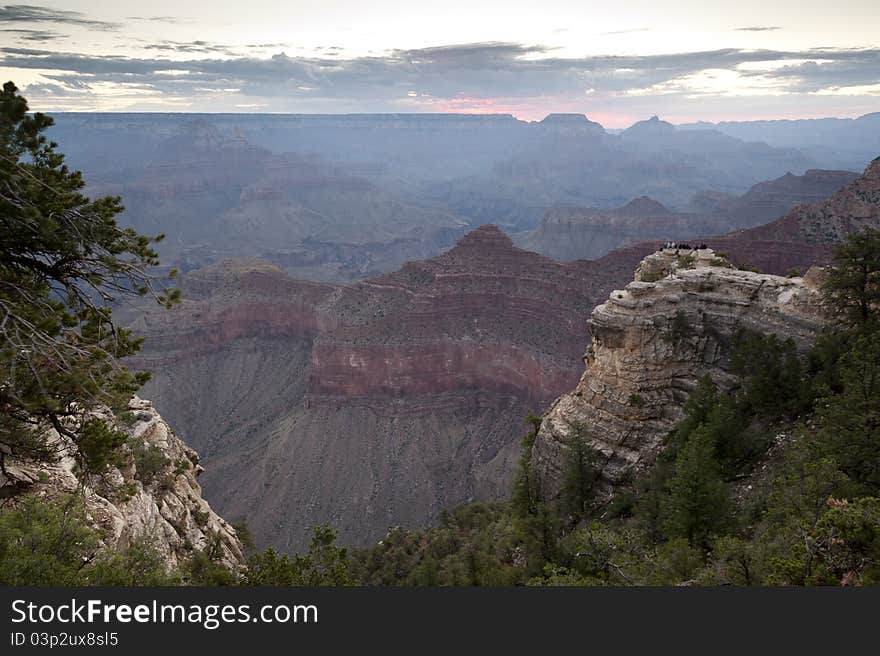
[[524, 498], [850, 420], [63, 262], [581, 473], [847, 541], [853, 285], [697, 505], [325, 563], [699, 404], [45, 543], [771, 373]]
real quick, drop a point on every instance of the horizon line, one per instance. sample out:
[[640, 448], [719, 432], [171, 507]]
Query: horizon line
[[486, 115]]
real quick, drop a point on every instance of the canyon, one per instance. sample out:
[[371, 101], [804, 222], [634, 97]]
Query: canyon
[[385, 401], [343, 198], [367, 405]]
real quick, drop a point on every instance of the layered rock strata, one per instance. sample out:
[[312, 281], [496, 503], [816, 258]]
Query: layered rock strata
[[652, 341], [367, 405]]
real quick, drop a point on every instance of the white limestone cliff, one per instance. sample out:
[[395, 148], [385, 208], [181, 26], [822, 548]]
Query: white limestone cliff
[[652, 342]]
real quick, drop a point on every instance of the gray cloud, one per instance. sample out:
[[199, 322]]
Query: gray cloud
[[758, 28], [467, 72], [160, 19], [40, 36], [191, 47], [207, 48], [829, 69], [34, 14]]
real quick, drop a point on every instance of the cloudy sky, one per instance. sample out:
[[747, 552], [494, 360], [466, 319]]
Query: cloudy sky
[[617, 61]]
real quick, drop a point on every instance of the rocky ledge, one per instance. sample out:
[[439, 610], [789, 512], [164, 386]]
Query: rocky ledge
[[164, 506], [652, 342]]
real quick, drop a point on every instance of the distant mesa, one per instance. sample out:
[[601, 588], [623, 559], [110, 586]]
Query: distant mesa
[[488, 236], [566, 118], [767, 201], [652, 127], [571, 122], [803, 236], [644, 205], [571, 233]]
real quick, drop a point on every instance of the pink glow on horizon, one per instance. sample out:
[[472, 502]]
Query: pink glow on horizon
[[525, 109], [535, 109]]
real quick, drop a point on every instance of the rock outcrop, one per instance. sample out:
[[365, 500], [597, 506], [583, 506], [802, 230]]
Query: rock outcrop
[[652, 341], [125, 504]]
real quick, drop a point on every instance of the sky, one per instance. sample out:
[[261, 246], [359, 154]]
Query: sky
[[617, 62]]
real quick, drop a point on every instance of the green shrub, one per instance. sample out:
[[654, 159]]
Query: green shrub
[[126, 491], [201, 517], [204, 566], [771, 372], [45, 542], [98, 444], [149, 460], [685, 261], [140, 564], [325, 564]]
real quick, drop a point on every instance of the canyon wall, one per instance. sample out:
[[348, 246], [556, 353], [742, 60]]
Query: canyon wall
[[367, 405], [851, 209]]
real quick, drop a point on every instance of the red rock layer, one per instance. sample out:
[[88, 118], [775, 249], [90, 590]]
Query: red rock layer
[[484, 316], [229, 301]]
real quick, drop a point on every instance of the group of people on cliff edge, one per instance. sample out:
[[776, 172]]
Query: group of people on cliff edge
[[684, 246]]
